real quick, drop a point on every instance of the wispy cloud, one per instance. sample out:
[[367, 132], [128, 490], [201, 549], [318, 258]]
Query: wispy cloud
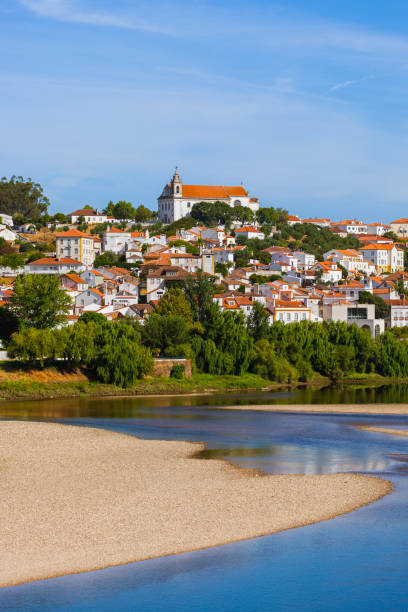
[[64, 11], [258, 25], [347, 84]]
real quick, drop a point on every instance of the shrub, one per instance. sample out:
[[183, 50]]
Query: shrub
[[177, 371]]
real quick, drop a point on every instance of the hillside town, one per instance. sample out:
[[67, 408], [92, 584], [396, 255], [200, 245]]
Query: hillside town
[[119, 268]]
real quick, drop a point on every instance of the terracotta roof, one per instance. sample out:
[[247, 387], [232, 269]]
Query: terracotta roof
[[86, 211], [378, 247], [288, 304], [53, 260], [209, 192], [73, 233], [400, 221], [95, 291], [247, 228], [75, 278]]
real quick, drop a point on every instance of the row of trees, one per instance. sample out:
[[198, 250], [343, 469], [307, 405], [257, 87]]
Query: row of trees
[[220, 213], [186, 323]]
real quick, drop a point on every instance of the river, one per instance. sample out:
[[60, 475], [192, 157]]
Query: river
[[353, 562]]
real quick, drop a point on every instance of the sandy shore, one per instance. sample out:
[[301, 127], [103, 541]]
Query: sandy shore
[[74, 499], [324, 408], [384, 430]]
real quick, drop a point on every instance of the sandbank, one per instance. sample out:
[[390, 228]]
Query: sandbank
[[75, 499], [323, 408], [384, 430]]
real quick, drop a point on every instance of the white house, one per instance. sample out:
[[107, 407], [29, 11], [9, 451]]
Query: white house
[[223, 255], [304, 260], [52, 265], [6, 219], [249, 232], [7, 234], [177, 199], [351, 226], [362, 315], [115, 240], [398, 313], [91, 215], [318, 222], [330, 272]]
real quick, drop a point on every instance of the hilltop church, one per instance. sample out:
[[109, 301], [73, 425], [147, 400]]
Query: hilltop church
[[177, 200]]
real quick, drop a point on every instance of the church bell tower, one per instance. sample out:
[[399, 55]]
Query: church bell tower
[[176, 185]]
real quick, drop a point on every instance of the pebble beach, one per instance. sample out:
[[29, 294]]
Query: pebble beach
[[76, 499]]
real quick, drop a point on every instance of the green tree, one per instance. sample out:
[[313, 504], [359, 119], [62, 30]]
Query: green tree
[[121, 359], [9, 324], [109, 209], [400, 289], [38, 301], [108, 258], [143, 214], [221, 268], [32, 344], [258, 322], [165, 331], [382, 309], [12, 260], [212, 213], [124, 210], [243, 214], [23, 197], [174, 303], [199, 291]]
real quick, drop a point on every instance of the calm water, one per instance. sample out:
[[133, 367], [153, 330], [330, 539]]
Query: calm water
[[354, 562]]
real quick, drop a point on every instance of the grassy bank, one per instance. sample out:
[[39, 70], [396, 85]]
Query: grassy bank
[[29, 388], [57, 382]]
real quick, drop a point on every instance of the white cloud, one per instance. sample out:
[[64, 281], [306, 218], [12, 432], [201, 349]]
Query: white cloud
[[346, 84]]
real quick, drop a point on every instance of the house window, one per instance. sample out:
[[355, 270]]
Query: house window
[[354, 314]]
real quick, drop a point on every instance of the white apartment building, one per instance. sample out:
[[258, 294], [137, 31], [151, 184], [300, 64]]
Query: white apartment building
[[362, 315], [351, 260], [304, 260], [115, 240], [398, 313], [385, 257], [76, 245], [351, 226]]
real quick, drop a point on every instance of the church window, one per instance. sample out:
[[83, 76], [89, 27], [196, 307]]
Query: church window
[[177, 189]]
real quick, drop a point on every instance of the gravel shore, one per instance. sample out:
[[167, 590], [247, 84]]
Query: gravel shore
[[384, 430], [75, 499]]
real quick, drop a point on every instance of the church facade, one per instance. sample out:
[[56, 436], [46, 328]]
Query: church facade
[[177, 199]]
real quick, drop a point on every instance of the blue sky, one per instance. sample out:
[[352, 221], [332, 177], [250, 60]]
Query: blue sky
[[305, 101]]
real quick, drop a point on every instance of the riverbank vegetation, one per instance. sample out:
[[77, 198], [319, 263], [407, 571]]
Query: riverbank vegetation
[[187, 324]]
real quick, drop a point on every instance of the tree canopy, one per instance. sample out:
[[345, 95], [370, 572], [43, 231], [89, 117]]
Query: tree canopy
[[38, 301], [23, 197]]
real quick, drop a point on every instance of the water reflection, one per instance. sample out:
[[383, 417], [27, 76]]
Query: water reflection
[[130, 407]]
